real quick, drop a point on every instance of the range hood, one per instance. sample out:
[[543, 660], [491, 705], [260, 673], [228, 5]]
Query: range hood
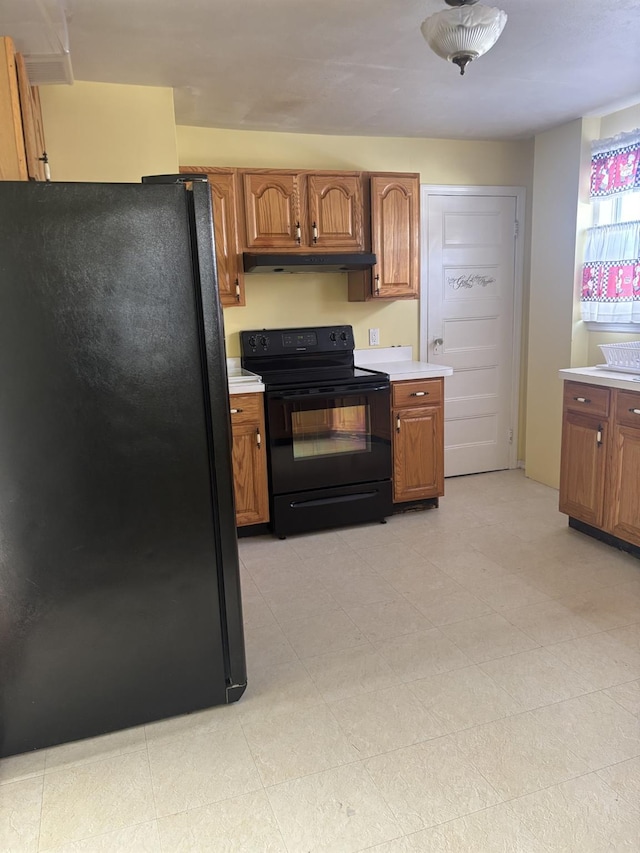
[[332, 262]]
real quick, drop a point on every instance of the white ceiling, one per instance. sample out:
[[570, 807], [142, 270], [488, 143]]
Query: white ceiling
[[359, 67]]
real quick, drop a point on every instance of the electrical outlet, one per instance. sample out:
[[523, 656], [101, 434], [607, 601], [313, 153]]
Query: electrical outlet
[[374, 337]]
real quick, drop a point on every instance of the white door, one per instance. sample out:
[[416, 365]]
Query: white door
[[472, 321]]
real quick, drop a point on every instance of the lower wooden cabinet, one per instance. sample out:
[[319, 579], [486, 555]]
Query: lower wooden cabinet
[[582, 470], [600, 459], [623, 508], [249, 459], [418, 439]]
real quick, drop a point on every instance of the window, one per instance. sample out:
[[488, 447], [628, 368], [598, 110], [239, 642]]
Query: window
[[610, 296]]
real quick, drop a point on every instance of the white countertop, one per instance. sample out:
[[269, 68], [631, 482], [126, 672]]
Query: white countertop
[[599, 376], [242, 381], [398, 362]]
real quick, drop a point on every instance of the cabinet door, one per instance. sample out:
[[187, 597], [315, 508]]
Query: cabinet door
[[395, 240], [335, 211], [418, 453], [249, 459], [13, 159], [624, 484], [224, 201], [582, 467], [31, 123], [272, 210], [395, 228]]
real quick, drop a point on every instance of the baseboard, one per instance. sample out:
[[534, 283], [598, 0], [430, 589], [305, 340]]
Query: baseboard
[[607, 538]]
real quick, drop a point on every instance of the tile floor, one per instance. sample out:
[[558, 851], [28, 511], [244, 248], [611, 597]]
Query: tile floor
[[461, 679]]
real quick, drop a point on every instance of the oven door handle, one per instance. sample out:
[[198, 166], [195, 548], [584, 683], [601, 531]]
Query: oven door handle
[[333, 391]]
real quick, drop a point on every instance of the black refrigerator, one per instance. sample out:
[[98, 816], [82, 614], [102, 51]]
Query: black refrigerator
[[119, 581]]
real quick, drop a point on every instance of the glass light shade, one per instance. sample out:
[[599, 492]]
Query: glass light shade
[[464, 33]]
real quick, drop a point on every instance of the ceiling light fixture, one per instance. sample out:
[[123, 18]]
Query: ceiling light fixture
[[465, 32]]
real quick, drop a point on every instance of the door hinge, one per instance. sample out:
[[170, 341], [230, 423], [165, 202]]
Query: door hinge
[[510, 436], [516, 228]]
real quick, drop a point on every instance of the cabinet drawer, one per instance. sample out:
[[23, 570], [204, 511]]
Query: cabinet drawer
[[628, 409], [245, 408], [419, 392], [589, 399]]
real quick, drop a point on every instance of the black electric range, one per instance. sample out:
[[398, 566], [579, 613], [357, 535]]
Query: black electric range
[[328, 428]]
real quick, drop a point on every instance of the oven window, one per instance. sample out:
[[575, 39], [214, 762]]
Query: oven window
[[331, 431]]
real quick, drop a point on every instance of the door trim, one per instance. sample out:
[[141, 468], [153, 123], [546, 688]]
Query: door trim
[[519, 193]]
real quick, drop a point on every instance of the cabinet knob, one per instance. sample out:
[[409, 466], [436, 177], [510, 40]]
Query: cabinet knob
[[599, 436], [298, 233], [635, 411], [314, 229], [377, 281], [398, 424], [582, 399], [258, 439], [419, 394], [235, 411]]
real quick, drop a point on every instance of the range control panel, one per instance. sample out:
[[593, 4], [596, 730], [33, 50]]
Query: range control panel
[[315, 339]]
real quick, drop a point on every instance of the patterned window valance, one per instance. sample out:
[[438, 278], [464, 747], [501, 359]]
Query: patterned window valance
[[611, 272], [615, 164]]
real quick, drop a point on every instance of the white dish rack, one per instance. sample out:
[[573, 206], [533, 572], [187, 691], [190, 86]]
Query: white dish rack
[[623, 357]]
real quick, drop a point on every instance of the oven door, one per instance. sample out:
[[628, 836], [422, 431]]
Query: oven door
[[321, 437]]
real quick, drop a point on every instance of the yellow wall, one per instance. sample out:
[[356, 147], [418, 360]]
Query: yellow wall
[[107, 132], [620, 121], [556, 184], [311, 299], [557, 337], [439, 161]]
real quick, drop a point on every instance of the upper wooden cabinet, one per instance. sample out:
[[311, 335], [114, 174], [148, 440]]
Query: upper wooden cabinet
[[299, 211], [272, 207], [224, 196], [224, 201], [335, 211], [395, 230], [32, 125], [285, 211], [21, 131]]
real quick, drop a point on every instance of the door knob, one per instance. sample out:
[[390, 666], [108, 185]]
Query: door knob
[[437, 346]]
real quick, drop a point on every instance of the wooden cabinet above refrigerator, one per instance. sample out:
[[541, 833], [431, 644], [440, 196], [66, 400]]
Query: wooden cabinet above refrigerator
[[22, 148]]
